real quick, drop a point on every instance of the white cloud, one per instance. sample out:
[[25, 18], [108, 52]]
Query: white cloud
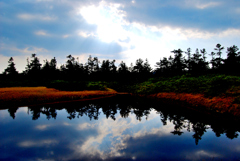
[[85, 126], [200, 4], [231, 32], [85, 34], [28, 17], [44, 0], [237, 10], [66, 36], [23, 109], [42, 127], [117, 132], [3, 115], [201, 154], [41, 33], [108, 18], [207, 5], [41, 143]]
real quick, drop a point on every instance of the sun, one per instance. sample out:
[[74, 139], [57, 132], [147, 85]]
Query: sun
[[108, 21]]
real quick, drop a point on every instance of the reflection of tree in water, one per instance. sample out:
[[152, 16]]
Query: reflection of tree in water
[[90, 110], [141, 113], [179, 123], [12, 111], [199, 129], [181, 119], [46, 110], [124, 111], [110, 110]]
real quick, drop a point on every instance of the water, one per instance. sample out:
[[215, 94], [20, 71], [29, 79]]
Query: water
[[115, 129]]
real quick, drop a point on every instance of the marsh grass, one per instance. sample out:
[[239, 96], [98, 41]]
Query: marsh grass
[[22, 96], [76, 85]]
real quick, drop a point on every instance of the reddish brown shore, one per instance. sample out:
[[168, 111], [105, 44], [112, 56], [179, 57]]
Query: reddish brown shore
[[25, 96], [224, 105]]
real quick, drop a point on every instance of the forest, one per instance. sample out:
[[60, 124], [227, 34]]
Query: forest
[[185, 71]]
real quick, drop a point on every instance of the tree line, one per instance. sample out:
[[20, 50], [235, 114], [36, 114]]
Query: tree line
[[182, 62]]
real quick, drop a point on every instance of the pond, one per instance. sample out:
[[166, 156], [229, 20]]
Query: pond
[[117, 128]]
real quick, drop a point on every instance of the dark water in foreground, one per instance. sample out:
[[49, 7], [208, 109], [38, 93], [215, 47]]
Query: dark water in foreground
[[115, 129]]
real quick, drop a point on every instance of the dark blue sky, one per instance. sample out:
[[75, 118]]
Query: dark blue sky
[[122, 30]]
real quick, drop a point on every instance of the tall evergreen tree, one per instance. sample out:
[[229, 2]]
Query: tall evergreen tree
[[188, 60], [33, 68], [123, 68], [219, 60], [232, 63], [10, 70], [178, 62], [213, 60], [49, 69], [163, 67]]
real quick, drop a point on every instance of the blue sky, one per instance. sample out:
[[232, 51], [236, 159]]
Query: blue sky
[[122, 30]]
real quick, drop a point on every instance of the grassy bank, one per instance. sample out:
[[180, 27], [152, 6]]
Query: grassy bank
[[24, 96], [218, 93]]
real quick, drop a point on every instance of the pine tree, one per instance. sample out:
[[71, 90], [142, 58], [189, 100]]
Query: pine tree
[[10, 70]]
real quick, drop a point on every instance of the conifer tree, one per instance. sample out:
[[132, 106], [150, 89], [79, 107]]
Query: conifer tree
[[10, 70]]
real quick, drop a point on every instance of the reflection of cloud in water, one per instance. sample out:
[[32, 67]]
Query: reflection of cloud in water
[[40, 143], [198, 155], [163, 130], [42, 127], [3, 115], [86, 126], [112, 135], [66, 124], [22, 109]]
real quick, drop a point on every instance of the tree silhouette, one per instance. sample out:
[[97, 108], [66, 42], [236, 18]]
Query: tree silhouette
[[178, 65], [197, 63], [10, 70], [213, 60], [33, 67], [188, 60], [232, 63], [218, 60], [73, 69], [108, 69], [163, 67], [123, 69], [92, 65], [49, 69]]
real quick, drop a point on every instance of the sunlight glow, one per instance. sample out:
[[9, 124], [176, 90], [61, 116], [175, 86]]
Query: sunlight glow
[[108, 22]]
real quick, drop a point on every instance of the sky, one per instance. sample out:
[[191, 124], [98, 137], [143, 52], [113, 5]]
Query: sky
[[123, 30]]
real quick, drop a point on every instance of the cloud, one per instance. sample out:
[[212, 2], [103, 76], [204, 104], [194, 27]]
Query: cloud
[[85, 34], [42, 127], [200, 154], [41, 143], [200, 4], [36, 17], [86, 126], [41, 33], [26, 50]]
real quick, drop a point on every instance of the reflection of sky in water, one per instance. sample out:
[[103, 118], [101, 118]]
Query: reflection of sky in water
[[125, 138]]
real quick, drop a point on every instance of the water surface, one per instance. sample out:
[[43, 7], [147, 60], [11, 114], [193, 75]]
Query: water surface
[[115, 129]]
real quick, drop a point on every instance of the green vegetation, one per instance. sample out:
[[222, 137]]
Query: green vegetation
[[76, 85], [209, 85]]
